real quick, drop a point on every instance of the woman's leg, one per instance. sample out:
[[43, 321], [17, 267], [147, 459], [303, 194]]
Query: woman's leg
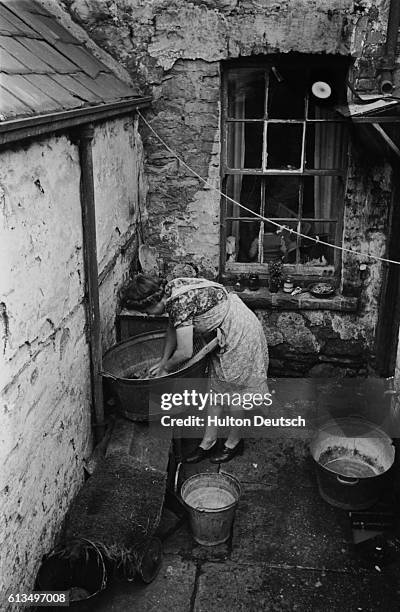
[[211, 431], [235, 432]]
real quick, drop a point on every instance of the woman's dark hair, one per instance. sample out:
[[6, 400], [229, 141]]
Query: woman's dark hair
[[143, 291]]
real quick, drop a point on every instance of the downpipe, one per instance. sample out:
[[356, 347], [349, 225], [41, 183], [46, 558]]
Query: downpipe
[[389, 59]]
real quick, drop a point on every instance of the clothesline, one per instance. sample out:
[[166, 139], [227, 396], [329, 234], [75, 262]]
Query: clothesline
[[253, 213]]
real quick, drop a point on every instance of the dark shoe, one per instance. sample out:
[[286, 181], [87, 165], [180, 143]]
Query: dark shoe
[[227, 454], [199, 454]]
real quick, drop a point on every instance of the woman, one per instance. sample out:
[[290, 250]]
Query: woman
[[239, 365]]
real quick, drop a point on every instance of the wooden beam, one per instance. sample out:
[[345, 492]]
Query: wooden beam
[[387, 333], [15, 130], [85, 136], [387, 139]]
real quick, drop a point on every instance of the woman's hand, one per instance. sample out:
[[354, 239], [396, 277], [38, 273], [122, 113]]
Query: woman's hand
[[158, 370], [183, 352]]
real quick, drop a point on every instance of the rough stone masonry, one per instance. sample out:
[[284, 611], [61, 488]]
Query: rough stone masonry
[[174, 51]]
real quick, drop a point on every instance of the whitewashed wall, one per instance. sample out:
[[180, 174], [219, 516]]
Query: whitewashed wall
[[120, 190], [45, 433]]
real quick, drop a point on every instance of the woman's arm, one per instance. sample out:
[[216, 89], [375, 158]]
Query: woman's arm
[[184, 347], [170, 343]]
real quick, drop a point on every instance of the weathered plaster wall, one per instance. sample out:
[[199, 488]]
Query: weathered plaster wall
[[174, 49], [45, 413], [120, 192]]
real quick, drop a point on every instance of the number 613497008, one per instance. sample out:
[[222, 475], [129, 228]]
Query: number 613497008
[[40, 598]]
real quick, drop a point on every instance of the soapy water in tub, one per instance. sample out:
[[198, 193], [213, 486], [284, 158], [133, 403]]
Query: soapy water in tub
[[141, 370], [209, 498]]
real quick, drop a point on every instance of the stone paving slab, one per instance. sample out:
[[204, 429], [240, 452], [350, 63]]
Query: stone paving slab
[[171, 590], [277, 528], [263, 459], [181, 542], [261, 588], [290, 523]]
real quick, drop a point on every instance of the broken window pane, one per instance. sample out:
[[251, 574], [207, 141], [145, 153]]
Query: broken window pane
[[244, 146], [242, 240], [279, 244], [245, 189], [314, 253], [282, 196], [246, 94], [284, 146], [286, 93]]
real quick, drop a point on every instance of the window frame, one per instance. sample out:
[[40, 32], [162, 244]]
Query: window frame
[[298, 270]]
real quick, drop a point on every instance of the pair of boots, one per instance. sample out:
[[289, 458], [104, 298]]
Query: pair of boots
[[216, 454]]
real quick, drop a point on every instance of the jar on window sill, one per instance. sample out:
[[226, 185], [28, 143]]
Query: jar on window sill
[[288, 285], [254, 282]]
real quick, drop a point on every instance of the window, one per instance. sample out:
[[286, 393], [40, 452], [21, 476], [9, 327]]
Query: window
[[283, 157]]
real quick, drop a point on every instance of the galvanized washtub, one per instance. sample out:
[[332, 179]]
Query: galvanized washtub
[[132, 357], [352, 458]]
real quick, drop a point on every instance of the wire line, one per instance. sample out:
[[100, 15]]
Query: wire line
[[252, 212]]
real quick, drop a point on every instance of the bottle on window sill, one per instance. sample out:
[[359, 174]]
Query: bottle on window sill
[[254, 282], [238, 286]]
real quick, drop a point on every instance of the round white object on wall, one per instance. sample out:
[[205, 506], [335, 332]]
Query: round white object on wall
[[321, 90]]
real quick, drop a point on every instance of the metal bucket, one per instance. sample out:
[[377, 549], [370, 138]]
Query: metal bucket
[[211, 500], [352, 459], [83, 576]]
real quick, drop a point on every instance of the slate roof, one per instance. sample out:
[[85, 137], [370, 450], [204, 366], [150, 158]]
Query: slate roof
[[44, 69]]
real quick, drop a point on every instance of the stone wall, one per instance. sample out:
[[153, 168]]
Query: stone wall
[[45, 432], [174, 50]]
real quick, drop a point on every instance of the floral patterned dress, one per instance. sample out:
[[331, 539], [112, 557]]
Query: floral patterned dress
[[184, 308], [242, 359]]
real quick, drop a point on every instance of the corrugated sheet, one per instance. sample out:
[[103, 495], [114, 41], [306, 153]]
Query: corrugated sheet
[[43, 68]]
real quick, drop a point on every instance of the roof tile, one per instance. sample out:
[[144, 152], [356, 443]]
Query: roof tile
[[54, 90], [26, 92], [57, 31], [11, 107], [58, 62], [10, 64], [115, 86], [102, 92], [47, 27], [10, 24], [45, 69], [76, 87], [82, 58], [24, 53], [25, 6]]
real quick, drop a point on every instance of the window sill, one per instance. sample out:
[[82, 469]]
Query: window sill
[[303, 271], [263, 298]]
